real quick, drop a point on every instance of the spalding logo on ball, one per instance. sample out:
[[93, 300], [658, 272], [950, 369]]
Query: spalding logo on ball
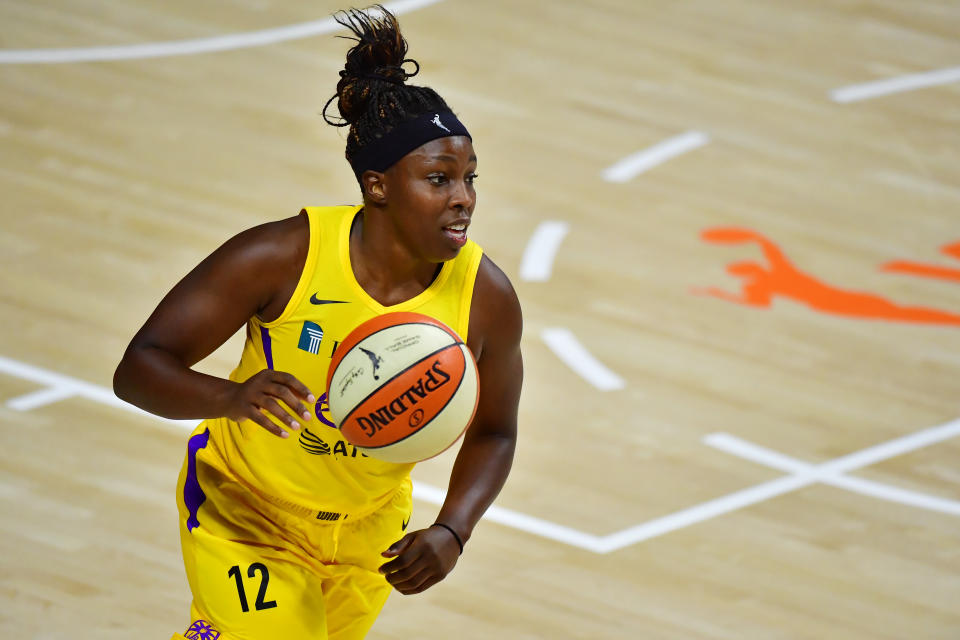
[[402, 387]]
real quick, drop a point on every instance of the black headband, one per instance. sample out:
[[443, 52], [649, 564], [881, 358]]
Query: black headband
[[383, 153]]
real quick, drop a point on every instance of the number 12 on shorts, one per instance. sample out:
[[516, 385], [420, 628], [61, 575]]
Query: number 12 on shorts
[[252, 571]]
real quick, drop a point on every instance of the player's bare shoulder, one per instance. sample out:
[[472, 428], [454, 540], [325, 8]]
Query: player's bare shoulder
[[495, 312], [266, 261], [275, 243]]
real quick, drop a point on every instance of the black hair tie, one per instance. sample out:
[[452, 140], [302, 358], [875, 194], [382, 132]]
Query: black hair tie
[[415, 71], [377, 76], [455, 536]]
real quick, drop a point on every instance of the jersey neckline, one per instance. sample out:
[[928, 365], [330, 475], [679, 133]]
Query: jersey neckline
[[414, 302]]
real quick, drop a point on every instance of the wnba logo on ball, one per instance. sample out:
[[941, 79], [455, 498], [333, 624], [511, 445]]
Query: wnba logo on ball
[[430, 381]]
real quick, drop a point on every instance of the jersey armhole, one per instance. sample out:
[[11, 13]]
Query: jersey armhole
[[306, 274], [466, 300]]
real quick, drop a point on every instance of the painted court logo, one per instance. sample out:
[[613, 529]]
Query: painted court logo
[[310, 337], [761, 283]]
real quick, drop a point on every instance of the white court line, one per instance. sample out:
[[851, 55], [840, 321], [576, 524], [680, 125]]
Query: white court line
[[831, 473], [545, 529], [190, 47], [635, 164], [40, 398], [538, 257], [64, 384], [701, 512], [867, 90], [521, 521], [566, 347], [780, 486]]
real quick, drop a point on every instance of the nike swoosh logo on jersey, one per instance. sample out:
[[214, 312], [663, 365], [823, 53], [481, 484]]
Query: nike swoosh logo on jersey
[[315, 300], [403, 526]]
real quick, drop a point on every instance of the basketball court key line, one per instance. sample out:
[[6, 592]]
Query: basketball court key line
[[767, 490], [543, 528], [59, 387], [910, 82], [635, 164], [541, 250], [566, 347], [191, 47], [521, 521], [832, 473]]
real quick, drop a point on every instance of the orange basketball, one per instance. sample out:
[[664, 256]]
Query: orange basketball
[[402, 387]]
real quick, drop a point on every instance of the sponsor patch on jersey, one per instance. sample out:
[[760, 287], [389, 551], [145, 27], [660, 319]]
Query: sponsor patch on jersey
[[310, 337], [311, 443], [322, 411], [315, 445]]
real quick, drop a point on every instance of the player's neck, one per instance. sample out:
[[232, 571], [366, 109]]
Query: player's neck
[[386, 269]]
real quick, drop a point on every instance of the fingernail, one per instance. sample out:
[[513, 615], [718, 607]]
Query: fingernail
[[294, 425], [310, 398], [284, 434], [306, 415]]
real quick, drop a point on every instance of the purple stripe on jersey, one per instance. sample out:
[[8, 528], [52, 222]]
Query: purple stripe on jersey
[[193, 495], [267, 346]]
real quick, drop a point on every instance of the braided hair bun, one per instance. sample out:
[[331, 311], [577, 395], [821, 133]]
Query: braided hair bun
[[372, 95]]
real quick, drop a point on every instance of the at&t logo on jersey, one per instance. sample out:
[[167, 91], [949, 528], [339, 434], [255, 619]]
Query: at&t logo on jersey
[[310, 337], [314, 444]]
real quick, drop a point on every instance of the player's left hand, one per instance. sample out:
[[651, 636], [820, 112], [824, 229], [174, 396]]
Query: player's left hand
[[421, 559]]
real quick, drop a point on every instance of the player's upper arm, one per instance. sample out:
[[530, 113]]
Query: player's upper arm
[[496, 325], [246, 276]]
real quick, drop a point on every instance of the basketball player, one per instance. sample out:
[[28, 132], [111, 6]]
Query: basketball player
[[287, 530]]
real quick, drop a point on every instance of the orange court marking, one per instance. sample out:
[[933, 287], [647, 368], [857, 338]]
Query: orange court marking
[[781, 278], [928, 270]]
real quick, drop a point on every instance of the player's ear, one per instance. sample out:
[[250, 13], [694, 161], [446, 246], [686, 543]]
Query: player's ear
[[374, 186]]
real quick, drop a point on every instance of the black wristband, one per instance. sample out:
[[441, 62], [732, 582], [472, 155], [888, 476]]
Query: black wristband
[[455, 536]]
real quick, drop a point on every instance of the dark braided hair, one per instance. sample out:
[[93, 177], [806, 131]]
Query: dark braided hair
[[372, 96]]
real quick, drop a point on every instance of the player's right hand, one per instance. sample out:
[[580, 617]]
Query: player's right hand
[[275, 394]]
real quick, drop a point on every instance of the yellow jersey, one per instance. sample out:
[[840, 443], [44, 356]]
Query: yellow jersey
[[316, 469]]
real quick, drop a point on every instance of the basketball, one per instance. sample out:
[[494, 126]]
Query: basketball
[[402, 387]]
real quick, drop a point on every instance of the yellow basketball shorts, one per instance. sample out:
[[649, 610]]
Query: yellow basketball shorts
[[261, 573]]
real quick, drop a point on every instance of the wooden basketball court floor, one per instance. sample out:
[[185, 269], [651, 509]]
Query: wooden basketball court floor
[[740, 279]]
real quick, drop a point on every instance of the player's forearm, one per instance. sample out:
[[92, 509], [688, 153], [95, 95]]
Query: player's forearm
[[479, 473], [158, 382]]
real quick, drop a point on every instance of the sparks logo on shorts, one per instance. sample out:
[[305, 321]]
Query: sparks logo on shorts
[[201, 630], [310, 337]]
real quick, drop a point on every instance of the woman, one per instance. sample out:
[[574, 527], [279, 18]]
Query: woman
[[304, 537]]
